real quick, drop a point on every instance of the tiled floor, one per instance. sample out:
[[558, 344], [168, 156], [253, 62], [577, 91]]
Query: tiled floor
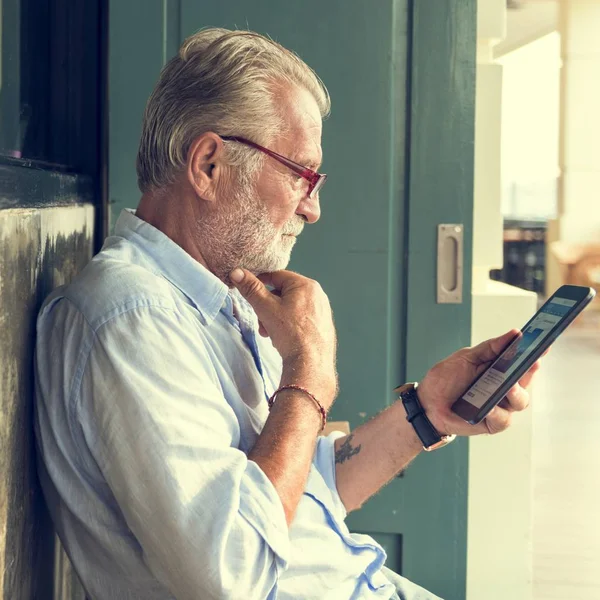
[[566, 459]]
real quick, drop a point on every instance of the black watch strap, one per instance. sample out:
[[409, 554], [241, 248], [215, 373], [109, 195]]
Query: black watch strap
[[415, 415]]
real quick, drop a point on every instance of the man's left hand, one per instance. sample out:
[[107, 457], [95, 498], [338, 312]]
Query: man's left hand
[[447, 380]]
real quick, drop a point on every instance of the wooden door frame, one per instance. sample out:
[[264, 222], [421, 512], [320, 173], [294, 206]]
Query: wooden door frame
[[432, 166], [440, 172]]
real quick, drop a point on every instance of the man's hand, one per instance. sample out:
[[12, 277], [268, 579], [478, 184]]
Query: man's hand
[[447, 380], [296, 315], [377, 450]]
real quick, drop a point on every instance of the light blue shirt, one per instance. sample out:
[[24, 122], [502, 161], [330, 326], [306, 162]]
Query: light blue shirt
[[151, 383]]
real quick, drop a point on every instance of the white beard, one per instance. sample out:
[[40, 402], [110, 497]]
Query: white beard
[[242, 235]]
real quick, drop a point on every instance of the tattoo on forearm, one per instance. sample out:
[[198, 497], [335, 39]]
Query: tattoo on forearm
[[346, 451]]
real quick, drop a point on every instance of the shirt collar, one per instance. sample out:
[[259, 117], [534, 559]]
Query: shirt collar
[[203, 288]]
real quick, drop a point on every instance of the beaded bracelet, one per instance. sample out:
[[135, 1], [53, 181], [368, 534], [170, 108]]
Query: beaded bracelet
[[323, 412]]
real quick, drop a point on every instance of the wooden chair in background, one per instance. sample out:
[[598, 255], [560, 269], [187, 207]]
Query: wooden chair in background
[[580, 264]]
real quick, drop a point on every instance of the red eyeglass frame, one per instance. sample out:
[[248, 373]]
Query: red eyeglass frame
[[315, 180]]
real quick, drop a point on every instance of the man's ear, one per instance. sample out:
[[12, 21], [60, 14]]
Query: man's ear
[[205, 165]]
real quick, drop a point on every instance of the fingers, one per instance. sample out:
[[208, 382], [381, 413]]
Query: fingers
[[500, 417], [526, 380], [491, 349], [253, 290], [498, 420], [516, 400], [278, 279]]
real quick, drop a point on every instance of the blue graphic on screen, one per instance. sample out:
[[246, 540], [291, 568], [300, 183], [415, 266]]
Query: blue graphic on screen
[[522, 347], [513, 354]]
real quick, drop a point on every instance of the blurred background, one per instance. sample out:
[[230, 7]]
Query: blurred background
[[549, 158]]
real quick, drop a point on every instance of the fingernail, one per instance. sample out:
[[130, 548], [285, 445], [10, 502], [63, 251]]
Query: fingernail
[[237, 275]]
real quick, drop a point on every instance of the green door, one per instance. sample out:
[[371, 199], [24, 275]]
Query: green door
[[398, 149]]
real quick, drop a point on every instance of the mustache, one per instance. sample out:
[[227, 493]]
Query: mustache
[[294, 227]]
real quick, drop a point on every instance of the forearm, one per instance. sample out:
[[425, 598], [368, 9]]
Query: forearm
[[285, 448], [373, 454]]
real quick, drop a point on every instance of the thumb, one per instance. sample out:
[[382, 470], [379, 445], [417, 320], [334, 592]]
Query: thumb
[[254, 290], [489, 350]]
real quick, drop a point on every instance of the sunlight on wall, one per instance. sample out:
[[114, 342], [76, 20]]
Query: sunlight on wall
[[530, 129]]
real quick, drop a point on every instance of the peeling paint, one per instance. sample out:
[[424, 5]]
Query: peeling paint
[[64, 222], [39, 249]]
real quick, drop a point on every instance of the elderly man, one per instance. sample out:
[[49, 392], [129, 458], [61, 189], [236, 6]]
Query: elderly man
[[184, 377]]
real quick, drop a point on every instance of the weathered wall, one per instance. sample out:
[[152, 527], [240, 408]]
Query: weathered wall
[[40, 248]]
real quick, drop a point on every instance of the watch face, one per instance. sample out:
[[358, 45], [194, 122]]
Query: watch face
[[404, 388], [446, 439]]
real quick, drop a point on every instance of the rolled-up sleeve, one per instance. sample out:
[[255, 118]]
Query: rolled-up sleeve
[[324, 461], [209, 522]]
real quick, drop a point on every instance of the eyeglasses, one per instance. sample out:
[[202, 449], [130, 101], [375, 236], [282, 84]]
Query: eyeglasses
[[315, 180]]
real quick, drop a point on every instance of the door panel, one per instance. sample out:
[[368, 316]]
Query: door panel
[[440, 190], [41, 247]]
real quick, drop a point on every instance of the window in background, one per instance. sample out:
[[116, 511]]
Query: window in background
[[530, 129], [49, 82], [530, 142]]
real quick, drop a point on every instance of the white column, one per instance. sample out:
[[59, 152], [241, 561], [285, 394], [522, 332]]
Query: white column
[[499, 561], [579, 189]]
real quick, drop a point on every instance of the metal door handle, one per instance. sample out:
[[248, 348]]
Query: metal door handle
[[450, 264]]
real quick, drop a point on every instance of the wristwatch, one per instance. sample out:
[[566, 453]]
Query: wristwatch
[[415, 415]]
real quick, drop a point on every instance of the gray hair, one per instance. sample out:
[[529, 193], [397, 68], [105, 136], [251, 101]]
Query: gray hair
[[221, 81]]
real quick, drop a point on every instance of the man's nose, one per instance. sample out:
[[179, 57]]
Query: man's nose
[[310, 209]]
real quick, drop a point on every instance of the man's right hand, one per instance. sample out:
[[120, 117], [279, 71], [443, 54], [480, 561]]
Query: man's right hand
[[296, 315]]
